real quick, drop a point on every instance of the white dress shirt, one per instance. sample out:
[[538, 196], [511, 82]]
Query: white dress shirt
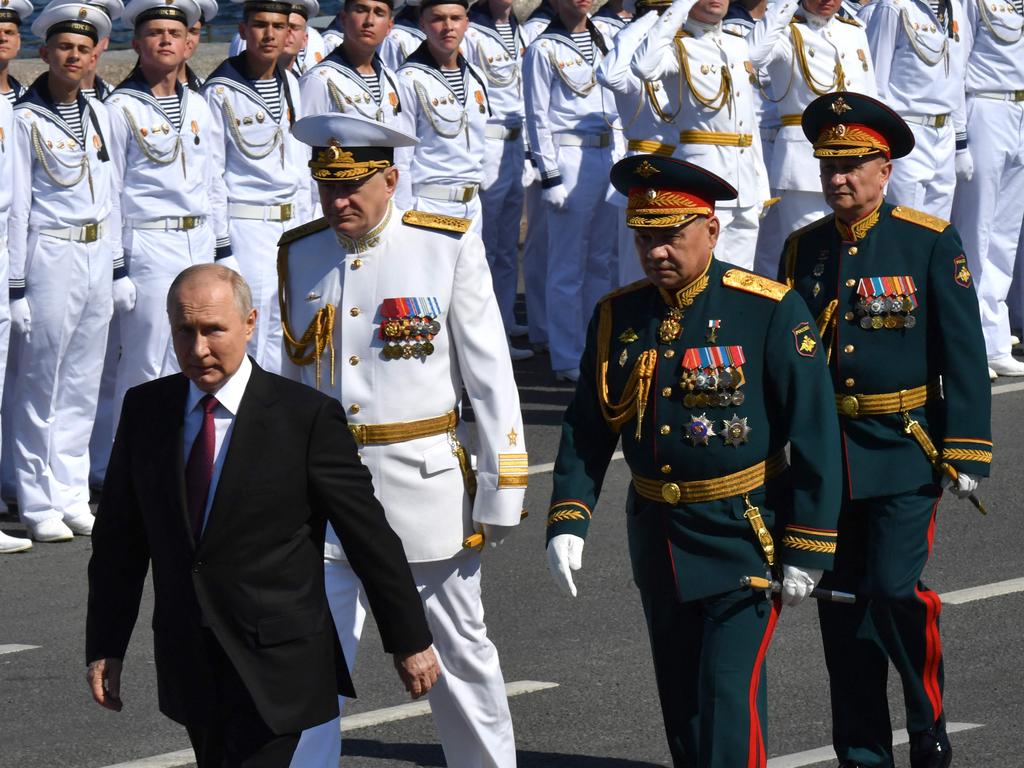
[[229, 398]]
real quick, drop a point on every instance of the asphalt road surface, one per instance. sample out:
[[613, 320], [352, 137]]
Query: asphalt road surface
[[584, 663]]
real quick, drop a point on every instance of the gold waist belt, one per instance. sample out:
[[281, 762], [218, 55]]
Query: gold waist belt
[[650, 147], [716, 138], [400, 431], [853, 406], [695, 491], [790, 119]]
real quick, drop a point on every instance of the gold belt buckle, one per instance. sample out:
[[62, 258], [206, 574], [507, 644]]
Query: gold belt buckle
[[1018, 95], [358, 433], [849, 406], [189, 222], [466, 195], [746, 139], [670, 492], [286, 211], [940, 120], [91, 232]]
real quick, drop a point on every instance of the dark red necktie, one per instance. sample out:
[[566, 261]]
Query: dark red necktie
[[199, 469]]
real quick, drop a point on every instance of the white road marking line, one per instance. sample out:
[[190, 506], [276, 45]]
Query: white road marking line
[[14, 648], [983, 592], [828, 755], [1002, 389], [540, 469], [348, 723]]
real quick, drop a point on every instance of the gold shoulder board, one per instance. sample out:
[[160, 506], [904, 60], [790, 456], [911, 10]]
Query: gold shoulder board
[[920, 218], [309, 228], [436, 221], [751, 283], [848, 20], [796, 234], [626, 289]]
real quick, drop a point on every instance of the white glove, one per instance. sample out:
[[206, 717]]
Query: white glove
[[964, 486], [231, 263], [565, 554], [555, 196], [964, 164], [529, 174], [123, 293], [797, 583], [21, 317], [494, 535]]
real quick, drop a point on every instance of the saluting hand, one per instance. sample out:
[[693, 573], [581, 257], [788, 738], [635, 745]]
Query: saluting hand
[[419, 671], [104, 678]]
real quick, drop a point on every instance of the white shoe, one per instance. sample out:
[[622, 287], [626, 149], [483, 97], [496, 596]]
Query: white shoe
[[1014, 340], [518, 330], [10, 544], [81, 525], [519, 353], [1007, 366], [568, 374], [50, 531], [992, 375]]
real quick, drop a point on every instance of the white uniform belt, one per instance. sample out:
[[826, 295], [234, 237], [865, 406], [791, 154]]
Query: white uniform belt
[[999, 95], [932, 121], [168, 222], [452, 193], [87, 233], [573, 139], [501, 133], [282, 212]]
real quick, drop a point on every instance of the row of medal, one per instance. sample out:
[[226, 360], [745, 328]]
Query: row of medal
[[408, 326], [700, 429], [886, 302], [712, 376]]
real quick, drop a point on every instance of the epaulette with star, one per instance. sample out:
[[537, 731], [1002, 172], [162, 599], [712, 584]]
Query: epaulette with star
[[751, 283], [920, 218], [310, 228], [436, 221]]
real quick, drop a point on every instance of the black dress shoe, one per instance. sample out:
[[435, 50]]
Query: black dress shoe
[[931, 749]]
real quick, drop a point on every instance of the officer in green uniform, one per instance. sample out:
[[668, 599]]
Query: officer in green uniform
[[706, 372], [897, 311]]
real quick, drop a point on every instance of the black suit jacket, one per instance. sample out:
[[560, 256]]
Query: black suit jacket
[[256, 575]]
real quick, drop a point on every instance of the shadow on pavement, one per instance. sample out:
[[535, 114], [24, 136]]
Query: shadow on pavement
[[431, 755]]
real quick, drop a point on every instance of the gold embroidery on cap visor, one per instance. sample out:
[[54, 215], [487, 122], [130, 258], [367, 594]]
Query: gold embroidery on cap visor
[[337, 164], [843, 140], [660, 208]]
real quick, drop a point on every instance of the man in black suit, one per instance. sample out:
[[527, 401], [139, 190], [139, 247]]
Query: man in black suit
[[228, 497]]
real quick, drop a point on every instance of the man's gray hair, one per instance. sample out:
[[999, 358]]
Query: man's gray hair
[[198, 272]]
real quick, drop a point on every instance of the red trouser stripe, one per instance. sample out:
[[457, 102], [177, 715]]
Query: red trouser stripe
[[933, 642], [756, 755]]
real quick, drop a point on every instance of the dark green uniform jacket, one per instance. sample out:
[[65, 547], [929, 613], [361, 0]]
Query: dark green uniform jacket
[[896, 264], [781, 394]]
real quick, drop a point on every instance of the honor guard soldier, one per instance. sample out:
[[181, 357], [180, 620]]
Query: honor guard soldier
[[353, 78], [163, 150], [264, 184], [918, 54], [494, 46], [889, 283], [65, 247], [393, 313], [717, 121], [303, 47], [405, 36], [208, 10], [989, 202], [444, 104], [569, 118], [12, 13], [707, 372], [807, 49]]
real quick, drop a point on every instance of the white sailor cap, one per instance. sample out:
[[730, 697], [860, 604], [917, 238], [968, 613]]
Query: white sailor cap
[[308, 9], [138, 11], [78, 18], [349, 147], [208, 10], [112, 8], [15, 11], [266, 6]]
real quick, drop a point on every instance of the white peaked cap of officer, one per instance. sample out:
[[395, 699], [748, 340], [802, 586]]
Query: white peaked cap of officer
[[348, 147], [73, 17], [137, 11]]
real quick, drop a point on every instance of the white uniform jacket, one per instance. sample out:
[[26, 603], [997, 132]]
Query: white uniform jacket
[[537, 22], [451, 134], [332, 36], [994, 39], [739, 22], [806, 56], [263, 164], [6, 156], [564, 97], [163, 170], [404, 38], [485, 50], [431, 273], [717, 120], [609, 23], [334, 85], [56, 181]]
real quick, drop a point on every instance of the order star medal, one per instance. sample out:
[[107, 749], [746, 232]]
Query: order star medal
[[670, 327], [736, 431], [699, 430]]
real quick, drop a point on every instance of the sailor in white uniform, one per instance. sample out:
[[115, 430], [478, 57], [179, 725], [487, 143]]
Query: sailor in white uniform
[[12, 14], [208, 10], [405, 36], [303, 48], [392, 313]]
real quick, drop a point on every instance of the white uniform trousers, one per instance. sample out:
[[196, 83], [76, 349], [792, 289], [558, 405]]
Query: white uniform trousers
[[987, 211], [582, 240], [254, 244], [535, 264], [470, 210], [737, 236], [501, 199], [59, 369], [468, 702], [795, 209], [102, 439], [926, 178], [5, 338], [157, 257]]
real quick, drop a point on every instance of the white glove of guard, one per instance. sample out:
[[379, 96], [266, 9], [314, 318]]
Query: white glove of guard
[[231, 263], [797, 583], [21, 317], [964, 164], [494, 535], [964, 486], [123, 293], [529, 174], [555, 196], [565, 554]]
